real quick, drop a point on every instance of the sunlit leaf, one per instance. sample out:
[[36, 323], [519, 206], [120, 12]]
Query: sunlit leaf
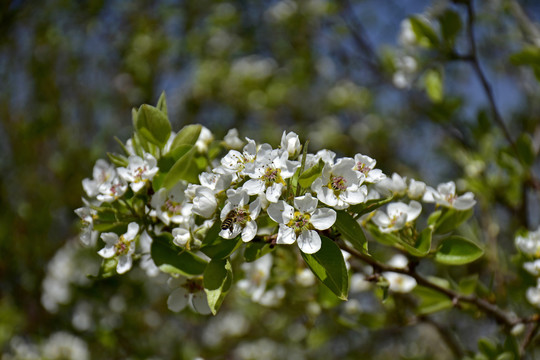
[[456, 250]]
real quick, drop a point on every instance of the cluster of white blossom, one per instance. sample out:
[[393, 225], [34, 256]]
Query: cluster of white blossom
[[529, 245], [60, 345], [251, 181]]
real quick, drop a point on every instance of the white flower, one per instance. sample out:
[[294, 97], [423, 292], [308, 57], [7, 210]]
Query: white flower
[[395, 185], [236, 162], [257, 274], [366, 165], [111, 191], [399, 282], [268, 176], [232, 140], [407, 37], [398, 214], [103, 173], [147, 263], [122, 247], [416, 189], [339, 185], [190, 292], [299, 225], [204, 201], [88, 236], [170, 205], [205, 138], [216, 182], [446, 196], [533, 294], [139, 171], [533, 267], [529, 244], [291, 143], [238, 216]]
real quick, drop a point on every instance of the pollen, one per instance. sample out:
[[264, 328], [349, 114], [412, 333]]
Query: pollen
[[337, 183]]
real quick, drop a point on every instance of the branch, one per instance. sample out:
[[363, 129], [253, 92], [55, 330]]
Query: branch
[[488, 308], [533, 329]]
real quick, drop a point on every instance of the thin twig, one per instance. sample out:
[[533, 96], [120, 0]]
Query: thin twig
[[533, 329], [488, 308]]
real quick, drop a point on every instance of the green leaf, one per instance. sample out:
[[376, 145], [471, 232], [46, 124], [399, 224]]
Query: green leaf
[[529, 56], [308, 177], [187, 136], [488, 348], [181, 170], [456, 250], [162, 104], [451, 219], [425, 35], [153, 125], [433, 217], [173, 259], [468, 284], [118, 160], [350, 229], [255, 250], [217, 281], [166, 162], [450, 26], [431, 301], [525, 149], [434, 85], [216, 247], [329, 267]]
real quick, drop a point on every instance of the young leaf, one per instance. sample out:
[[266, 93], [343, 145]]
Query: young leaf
[[329, 267], [450, 26], [187, 136], [525, 149], [153, 125], [456, 250], [162, 104], [351, 230], [433, 82], [217, 281], [180, 170], [118, 160], [451, 219], [431, 301], [425, 35], [308, 177], [172, 259]]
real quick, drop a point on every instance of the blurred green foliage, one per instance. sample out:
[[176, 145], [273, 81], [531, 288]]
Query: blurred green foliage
[[72, 70]]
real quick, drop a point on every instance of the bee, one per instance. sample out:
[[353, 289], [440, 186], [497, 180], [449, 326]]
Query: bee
[[229, 221]]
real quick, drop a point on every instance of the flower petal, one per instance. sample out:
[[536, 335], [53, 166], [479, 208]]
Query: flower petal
[[178, 299], [309, 241], [323, 218], [286, 235]]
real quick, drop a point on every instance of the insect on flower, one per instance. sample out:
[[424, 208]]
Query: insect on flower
[[229, 221]]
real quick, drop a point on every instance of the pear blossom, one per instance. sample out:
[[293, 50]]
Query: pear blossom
[[400, 283], [232, 140], [88, 235], [188, 292], [533, 294], [113, 190], [395, 185], [147, 263], [299, 225], [236, 162], [416, 189], [530, 243], [339, 185], [182, 235], [290, 142], [397, 216], [366, 166], [204, 140], [122, 247], [268, 176], [139, 171], [103, 173], [257, 274], [170, 205], [446, 196], [242, 215], [204, 200]]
